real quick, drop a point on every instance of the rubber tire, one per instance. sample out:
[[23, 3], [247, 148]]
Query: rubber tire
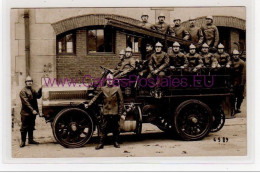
[[66, 145], [177, 114]]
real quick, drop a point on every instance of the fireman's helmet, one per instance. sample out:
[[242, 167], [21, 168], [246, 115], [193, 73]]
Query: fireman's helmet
[[209, 17], [191, 18], [144, 14], [176, 44], [176, 19], [128, 49], [28, 79], [221, 46], [158, 44], [161, 15], [235, 52], [192, 46], [205, 45]]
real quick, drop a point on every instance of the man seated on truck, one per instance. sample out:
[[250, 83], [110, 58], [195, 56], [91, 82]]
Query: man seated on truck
[[161, 26], [145, 23], [209, 61], [194, 60], [178, 60], [128, 65], [121, 57], [157, 66], [113, 105], [149, 51], [222, 57]]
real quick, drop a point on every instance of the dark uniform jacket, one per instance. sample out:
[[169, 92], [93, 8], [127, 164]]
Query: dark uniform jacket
[[127, 66], [194, 60], [146, 25], [180, 32], [211, 35], [161, 27], [29, 101], [208, 59], [239, 72], [196, 34], [112, 100], [177, 59], [223, 59], [158, 61], [147, 60]]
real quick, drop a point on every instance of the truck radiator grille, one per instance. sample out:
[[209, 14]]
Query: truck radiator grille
[[60, 95]]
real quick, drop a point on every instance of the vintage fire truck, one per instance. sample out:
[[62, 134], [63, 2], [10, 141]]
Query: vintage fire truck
[[191, 111]]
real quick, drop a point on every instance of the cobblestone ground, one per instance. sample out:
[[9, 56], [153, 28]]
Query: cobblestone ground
[[152, 143]]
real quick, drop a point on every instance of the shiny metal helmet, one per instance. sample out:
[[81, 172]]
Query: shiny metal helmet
[[161, 15], [128, 49], [209, 17], [221, 46], [158, 44], [235, 52], [176, 44], [28, 79], [192, 46], [205, 45], [144, 14]]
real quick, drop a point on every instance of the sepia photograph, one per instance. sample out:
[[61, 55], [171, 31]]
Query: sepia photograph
[[128, 82]]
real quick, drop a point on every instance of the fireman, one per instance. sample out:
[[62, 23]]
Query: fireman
[[145, 23], [239, 80], [179, 31], [128, 64], [177, 59], [209, 61], [149, 51], [161, 26], [195, 32], [194, 60], [211, 33], [222, 57], [157, 66], [121, 57], [113, 104], [29, 111]]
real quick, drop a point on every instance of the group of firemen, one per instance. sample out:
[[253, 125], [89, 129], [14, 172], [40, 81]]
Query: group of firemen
[[208, 33], [158, 63]]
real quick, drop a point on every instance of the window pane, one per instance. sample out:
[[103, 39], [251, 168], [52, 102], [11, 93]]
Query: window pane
[[92, 47], [69, 47], [100, 40], [108, 42], [59, 47]]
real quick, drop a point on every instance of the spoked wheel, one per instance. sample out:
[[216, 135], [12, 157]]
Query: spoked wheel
[[219, 121], [193, 120], [72, 127]]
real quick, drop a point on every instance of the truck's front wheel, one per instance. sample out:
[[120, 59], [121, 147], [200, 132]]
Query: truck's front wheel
[[72, 127]]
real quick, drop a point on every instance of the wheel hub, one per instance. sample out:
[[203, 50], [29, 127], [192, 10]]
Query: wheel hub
[[193, 119], [73, 126]]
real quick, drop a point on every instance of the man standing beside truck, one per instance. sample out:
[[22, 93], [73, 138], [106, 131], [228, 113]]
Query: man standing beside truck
[[29, 111]]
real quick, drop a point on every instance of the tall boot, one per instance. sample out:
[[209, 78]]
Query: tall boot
[[31, 141], [101, 143], [239, 102], [23, 139], [116, 136]]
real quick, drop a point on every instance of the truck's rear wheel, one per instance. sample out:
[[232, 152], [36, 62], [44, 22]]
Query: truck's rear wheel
[[193, 120], [72, 127]]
